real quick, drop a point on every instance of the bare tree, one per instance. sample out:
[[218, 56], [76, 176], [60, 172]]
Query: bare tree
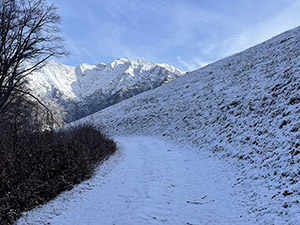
[[28, 31]]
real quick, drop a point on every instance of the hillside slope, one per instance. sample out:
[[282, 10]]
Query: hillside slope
[[75, 92], [244, 108]]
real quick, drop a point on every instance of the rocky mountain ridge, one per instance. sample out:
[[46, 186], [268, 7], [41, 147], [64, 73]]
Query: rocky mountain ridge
[[75, 92]]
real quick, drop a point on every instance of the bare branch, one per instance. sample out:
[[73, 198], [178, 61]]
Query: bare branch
[[28, 31]]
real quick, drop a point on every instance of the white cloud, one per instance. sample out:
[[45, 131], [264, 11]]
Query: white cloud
[[186, 34], [113, 46], [192, 64], [288, 19]]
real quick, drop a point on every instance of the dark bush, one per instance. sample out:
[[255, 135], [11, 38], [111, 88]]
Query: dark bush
[[36, 166]]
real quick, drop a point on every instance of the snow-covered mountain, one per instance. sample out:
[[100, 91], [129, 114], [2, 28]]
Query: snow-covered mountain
[[79, 91], [244, 108]]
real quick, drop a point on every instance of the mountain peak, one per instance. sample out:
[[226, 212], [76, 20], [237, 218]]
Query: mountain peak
[[117, 62], [86, 88], [131, 62], [141, 60]]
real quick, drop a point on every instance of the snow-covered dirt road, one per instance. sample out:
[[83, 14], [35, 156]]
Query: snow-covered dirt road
[[150, 181]]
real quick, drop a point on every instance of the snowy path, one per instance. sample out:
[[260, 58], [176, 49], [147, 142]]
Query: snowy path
[[150, 181]]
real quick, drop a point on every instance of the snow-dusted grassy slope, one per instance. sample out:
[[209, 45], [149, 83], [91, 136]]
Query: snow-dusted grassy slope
[[246, 108]]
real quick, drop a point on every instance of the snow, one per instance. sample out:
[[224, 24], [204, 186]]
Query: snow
[[78, 89], [52, 76], [84, 80], [150, 181], [243, 110]]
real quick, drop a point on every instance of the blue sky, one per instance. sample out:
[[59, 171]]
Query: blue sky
[[185, 33]]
